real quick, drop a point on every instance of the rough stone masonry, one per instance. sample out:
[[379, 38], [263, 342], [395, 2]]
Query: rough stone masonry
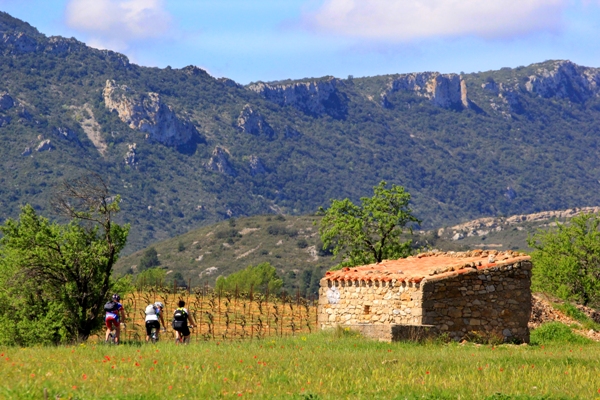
[[460, 294]]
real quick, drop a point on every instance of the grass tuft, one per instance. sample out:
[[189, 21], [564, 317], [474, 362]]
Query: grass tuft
[[573, 312], [556, 332]]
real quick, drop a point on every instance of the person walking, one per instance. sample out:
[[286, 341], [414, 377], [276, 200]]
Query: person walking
[[181, 317], [154, 313]]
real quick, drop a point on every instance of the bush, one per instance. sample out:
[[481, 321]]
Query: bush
[[302, 243], [556, 332], [228, 233], [149, 259], [152, 277], [256, 278], [566, 261]]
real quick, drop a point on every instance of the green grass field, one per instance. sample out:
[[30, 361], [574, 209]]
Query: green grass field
[[317, 366]]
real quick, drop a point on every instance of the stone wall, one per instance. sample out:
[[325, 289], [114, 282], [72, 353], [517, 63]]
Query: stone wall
[[361, 302], [492, 301]]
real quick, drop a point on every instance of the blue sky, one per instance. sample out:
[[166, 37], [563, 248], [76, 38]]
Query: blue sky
[[251, 40]]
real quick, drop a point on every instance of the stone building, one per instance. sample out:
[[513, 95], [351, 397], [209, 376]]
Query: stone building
[[485, 293]]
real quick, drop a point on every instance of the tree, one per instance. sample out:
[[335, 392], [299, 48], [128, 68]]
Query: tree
[[152, 277], [259, 278], [149, 259], [371, 232], [566, 260], [65, 266]]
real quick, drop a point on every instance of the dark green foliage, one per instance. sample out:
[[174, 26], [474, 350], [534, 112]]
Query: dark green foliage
[[566, 260], [180, 247], [228, 234], [302, 243], [259, 278], [371, 232], [149, 259]]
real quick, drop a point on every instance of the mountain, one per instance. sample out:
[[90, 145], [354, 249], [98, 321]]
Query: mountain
[[185, 149]]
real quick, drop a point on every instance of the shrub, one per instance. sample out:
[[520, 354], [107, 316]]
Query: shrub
[[258, 278], [228, 233], [150, 278], [556, 332], [149, 259], [566, 261]]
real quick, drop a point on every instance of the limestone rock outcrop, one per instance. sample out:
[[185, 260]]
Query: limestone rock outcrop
[[219, 162], [68, 134], [146, 112], [131, 155], [314, 98], [565, 80], [254, 123], [18, 43], [256, 165], [44, 145], [444, 90]]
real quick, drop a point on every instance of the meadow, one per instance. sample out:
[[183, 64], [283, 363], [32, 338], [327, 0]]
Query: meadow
[[322, 365]]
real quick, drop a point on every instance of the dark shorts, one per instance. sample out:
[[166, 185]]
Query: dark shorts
[[184, 331], [150, 325]]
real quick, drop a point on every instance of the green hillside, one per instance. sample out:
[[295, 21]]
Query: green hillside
[[186, 150], [292, 245]]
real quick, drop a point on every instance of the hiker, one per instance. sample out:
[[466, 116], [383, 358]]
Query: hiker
[[181, 317]]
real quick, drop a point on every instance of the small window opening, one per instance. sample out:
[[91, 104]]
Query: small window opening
[[367, 310]]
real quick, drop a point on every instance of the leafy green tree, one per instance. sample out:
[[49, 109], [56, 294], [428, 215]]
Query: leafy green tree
[[149, 259], [259, 278], [63, 268], [566, 260], [151, 277], [372, 231]]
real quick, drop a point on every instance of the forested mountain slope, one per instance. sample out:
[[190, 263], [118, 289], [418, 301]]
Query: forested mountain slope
[[185, 149]]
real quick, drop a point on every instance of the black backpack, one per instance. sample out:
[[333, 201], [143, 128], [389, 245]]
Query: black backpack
[[179, 318], [111, 306], [180, 315]]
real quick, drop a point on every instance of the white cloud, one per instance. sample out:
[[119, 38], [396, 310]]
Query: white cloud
[[115, 24], [406, 20]]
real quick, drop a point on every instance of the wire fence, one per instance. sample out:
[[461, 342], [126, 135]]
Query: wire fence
[[222, 315]]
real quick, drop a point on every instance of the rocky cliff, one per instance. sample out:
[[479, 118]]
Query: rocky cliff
[[315, 98], [147, 113], [254, 123], [483, 226], [219, 162], [565, 80], [444, 90]]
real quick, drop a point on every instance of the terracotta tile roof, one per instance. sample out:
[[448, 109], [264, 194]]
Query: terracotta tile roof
[[432, 265]]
